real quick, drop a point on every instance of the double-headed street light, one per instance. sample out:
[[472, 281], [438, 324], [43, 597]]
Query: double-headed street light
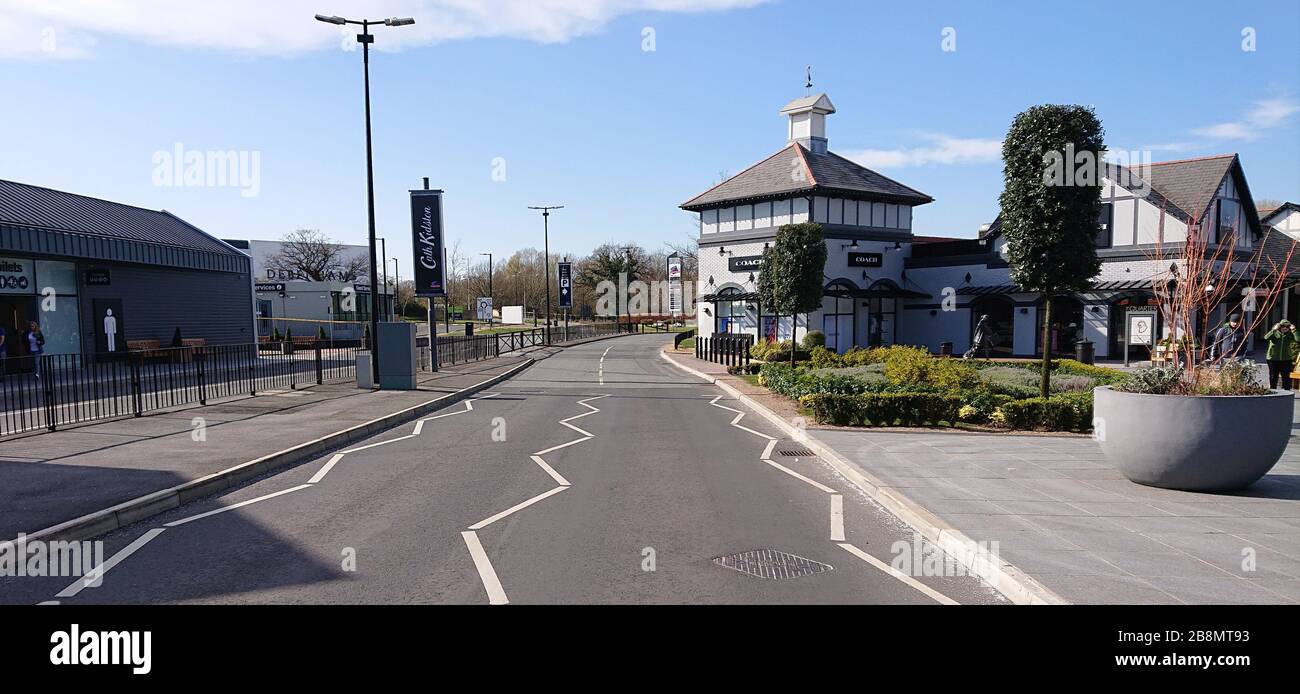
[[546, 262], [365, 38]]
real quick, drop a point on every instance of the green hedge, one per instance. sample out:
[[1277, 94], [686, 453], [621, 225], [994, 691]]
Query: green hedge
[[883, 409], [795, 383], [1064, 412]]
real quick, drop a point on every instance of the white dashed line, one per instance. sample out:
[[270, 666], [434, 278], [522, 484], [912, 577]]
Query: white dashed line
[[96, 574], [934, 594], [486, 574], [837, 518]]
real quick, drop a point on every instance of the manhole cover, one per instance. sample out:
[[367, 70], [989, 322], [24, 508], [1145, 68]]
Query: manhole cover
[[773, 564], [798, 453]]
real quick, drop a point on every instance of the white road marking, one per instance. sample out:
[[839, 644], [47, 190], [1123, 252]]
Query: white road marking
[[97, 574], [517, 507], [767, 452], [325, 469], [232, 507], [837, 518], [559, 479], [796, 475], [380, 443], [564, 445], [486, 574], [932, 593]]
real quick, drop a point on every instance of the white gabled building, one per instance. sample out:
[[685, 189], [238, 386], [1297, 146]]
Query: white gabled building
[[866, 218], [885, 285]]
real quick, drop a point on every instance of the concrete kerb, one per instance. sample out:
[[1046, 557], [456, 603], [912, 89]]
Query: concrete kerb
[[1014, 584], [135, 510]]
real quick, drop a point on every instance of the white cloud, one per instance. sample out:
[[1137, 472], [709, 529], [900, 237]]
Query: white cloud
[[1263, 115], [286, 27], [942, 149]]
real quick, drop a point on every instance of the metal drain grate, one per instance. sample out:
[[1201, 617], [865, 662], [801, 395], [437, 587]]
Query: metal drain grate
[[773, 564], [798, 453]]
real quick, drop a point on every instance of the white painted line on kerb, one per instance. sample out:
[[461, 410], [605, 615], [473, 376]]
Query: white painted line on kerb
[[325, 469], [97, 574], [837, 518], [486, 574], [551, 471], [517, 507], [796, 475], [934, 594], [232, 507]]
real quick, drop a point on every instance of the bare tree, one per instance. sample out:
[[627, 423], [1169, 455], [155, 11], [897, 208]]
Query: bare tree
[[309, 254]]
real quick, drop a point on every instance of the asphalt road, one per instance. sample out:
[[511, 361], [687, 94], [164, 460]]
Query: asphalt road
[[602, 474]]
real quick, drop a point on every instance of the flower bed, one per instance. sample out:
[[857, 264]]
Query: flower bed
[[906, 386]]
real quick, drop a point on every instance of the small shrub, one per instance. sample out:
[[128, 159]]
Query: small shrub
[[907, 366], [951, 374], [968, 413], [814, 338], [1071, 412], [834, 408], [823, 358]]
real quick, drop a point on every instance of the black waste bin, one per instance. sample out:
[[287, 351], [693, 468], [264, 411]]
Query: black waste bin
[[469, 329], [945, 349], [1083, 351]]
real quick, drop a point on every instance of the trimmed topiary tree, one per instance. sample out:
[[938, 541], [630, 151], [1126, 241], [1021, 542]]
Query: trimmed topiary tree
[[1052, 167], [790, 277]]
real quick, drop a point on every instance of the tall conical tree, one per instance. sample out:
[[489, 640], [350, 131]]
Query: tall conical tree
[[790, 276], [1052, 159]]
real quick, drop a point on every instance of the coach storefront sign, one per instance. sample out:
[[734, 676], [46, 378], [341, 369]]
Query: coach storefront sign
[[866, 259], [426, 242], [744, 263], [16, 276]]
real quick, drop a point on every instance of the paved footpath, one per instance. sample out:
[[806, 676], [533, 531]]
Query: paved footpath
[[1062, 514], [52, 477], [600, 474]]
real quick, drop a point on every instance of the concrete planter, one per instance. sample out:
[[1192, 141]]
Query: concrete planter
[[1192, 442]]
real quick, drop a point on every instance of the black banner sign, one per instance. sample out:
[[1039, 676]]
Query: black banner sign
[[98, 277], [744, 263], [866, 259], [426, 242], [564, 271]]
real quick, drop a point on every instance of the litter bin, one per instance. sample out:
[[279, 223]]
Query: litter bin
[[1083, 351], [945, 349], [469, 329]]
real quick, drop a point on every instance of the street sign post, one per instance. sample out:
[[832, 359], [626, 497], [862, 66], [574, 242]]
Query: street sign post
[[675, 285], [484, 305]]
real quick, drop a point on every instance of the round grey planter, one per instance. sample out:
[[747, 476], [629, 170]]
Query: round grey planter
[[1193, 442]]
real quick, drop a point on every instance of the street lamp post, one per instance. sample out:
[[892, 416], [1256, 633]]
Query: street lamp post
[[628, 271], [489, 255], [365, 38], [397, 282], [546, 262], [383, 253]]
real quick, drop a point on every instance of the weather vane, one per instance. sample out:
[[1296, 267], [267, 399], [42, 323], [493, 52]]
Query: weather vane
[[808, 85]]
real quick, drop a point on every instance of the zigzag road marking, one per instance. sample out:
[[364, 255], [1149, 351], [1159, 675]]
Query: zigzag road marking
[[837, 511], [488, 575]]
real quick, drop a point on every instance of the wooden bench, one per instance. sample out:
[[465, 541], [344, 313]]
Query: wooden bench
[[147, 348]]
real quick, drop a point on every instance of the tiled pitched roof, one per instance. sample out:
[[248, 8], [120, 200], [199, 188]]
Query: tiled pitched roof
[[796, 169], [1278, 254], [1265, 213], [1191, 184], [44, 208]]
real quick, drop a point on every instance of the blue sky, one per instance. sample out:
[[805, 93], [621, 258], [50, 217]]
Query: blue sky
[[563, 93]]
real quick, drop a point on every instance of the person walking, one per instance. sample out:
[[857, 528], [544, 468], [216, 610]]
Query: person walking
[[1227, 340], [1282, 346], [4, 353], [35, 345]]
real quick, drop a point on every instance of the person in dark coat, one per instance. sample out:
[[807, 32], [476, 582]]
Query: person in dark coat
[[1227, 339]]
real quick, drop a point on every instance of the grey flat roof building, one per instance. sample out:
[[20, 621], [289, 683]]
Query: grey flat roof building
[[66, 260]]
